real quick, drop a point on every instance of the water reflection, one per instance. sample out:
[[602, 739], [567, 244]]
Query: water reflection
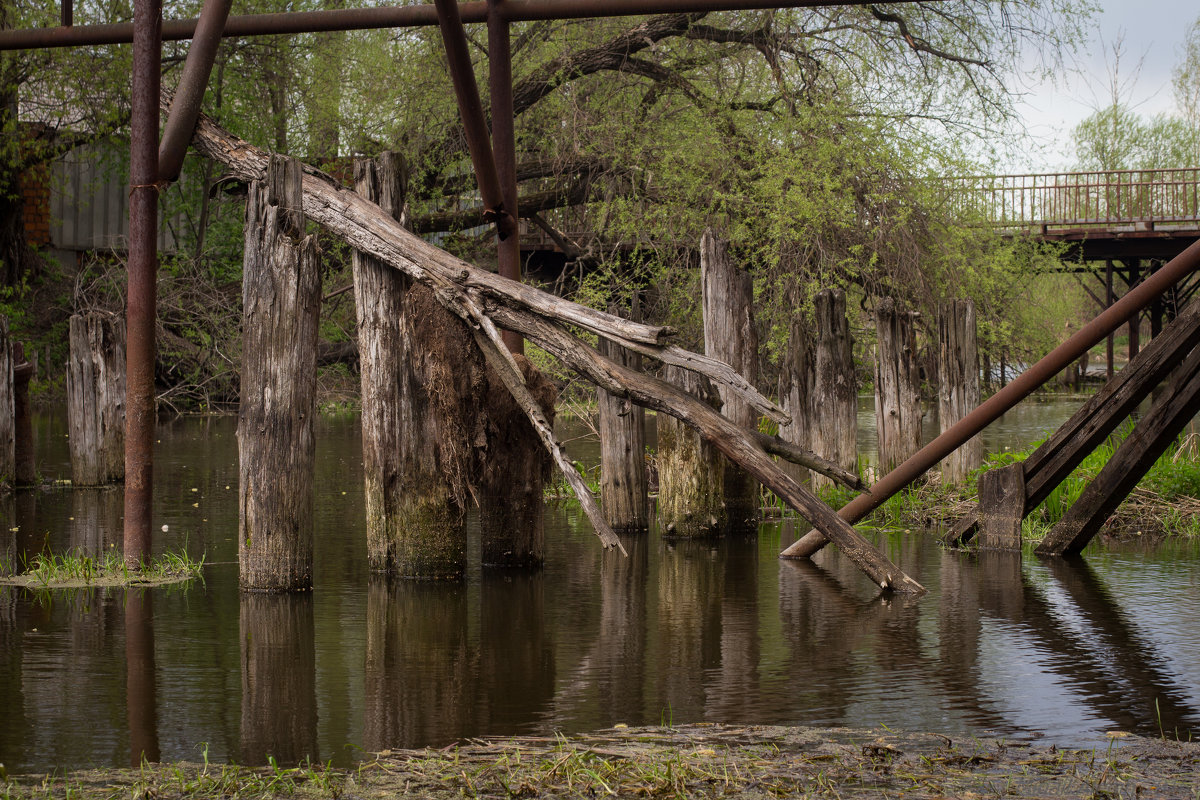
[[141, 685]]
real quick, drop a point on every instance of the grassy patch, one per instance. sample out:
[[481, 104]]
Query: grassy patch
[[77, 569]]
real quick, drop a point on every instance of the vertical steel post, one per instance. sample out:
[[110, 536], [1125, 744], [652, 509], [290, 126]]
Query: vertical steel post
[[504, 148], [140, 313]]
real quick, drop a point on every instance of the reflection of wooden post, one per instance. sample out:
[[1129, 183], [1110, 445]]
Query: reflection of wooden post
[[420, 666], [623, 484], [141, 691], [729, 335], [897, 406], [516, 649], [1002, 507], [421, 376], [688, 635], [8, 414], [96, 399], [281, 308], [958, 395], [96, 520], [279, 679], [691, 499], [834, 399]]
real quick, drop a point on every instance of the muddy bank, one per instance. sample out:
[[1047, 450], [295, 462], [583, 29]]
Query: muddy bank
[[688, 761]]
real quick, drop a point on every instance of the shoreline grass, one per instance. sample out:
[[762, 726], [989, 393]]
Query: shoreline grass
[[76, 569]]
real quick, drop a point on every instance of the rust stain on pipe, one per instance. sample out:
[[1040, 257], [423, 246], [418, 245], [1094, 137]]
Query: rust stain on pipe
[[1021, 387]]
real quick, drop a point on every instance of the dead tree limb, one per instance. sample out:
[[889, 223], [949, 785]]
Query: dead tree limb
[[487, 300]]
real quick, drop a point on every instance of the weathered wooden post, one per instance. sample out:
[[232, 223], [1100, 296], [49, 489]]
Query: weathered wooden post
[[512, 474], [897, 405], [279, 679], [422, 378], [958, 395], [281, 297], [834, 400], [1002, 507], [623, 481], [8, 411], [795, 391], [691, 475], [729, 335], [96, 399]]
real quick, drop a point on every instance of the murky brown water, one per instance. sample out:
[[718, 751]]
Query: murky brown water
[[678, 632]]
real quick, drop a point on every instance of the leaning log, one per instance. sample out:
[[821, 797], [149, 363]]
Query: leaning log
[[281, 302], [8, 451], [729, 335], [487, 300], [96, 399]]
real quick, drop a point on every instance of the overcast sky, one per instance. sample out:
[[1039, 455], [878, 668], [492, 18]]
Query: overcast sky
[[1153, 32]]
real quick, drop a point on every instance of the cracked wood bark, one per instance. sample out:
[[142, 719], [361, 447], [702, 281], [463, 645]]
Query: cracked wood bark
[[691, 472], [623, 483], [8, 411], [1058, 456], [484, 297], [897, 408], [422, 380], [1001, 507], [729, 336], [833, 403], [1151, 437], [96, 399], [958, 375], [795, 389], [281, 298]]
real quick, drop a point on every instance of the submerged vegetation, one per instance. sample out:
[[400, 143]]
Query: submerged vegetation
[[78, 569]]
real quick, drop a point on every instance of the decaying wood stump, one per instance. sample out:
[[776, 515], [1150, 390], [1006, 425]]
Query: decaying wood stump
[[691, 473], [279, 679], [833, 403], [513, 470], [1002, 507], [729, 335], [897, 404], [96, 399], [958, 394], [795, 391], [422, 383], [281, 296], [623, 481], [8, 414]]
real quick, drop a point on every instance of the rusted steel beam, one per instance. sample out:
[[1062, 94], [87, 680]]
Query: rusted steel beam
[[1020, 388], [383, 17], [185, 107], [142, 293], [470, 109], [504, 146]]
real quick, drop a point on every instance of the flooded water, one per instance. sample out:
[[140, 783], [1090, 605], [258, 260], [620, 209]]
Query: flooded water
[[677, 632]]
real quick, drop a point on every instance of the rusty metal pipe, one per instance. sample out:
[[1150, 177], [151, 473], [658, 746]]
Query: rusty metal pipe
[[504, 146], [1020, 388], [185, 105], [383, 17], [140, 311], [470, 109]]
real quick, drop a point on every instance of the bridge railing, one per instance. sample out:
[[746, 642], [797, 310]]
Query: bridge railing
[[1112, 200]]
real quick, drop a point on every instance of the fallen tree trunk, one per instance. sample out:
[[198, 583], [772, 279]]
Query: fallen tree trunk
[[484, 300]]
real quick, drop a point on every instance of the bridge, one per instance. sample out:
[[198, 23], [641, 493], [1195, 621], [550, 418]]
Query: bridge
[[1114, 214]]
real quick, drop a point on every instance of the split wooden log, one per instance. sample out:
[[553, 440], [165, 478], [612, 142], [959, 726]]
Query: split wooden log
[[8, 414], [488, 300]]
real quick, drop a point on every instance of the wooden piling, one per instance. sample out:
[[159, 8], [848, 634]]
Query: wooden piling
[[281, 296], [422, 381], [958, 394], [833, 404], [897, 405], [795, 391], [623, 481], [1150, 438], [691, 474], [512, 473], [729, 335], [96, 399], [26, 467], [1002, 507], [8, 414]]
